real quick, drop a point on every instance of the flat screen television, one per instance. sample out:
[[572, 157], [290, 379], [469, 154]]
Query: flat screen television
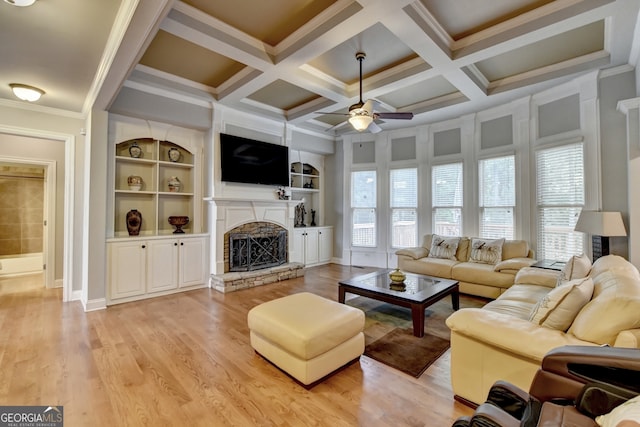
[[253, 162]]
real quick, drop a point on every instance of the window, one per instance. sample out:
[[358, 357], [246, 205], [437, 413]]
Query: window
[[497, 182], [404, 207], [560, 197], [363, 208], [447, 199]]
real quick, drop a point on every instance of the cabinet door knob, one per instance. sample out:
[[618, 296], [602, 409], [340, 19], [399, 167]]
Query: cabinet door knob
[[181, 243], [144, 246], [175, 244]]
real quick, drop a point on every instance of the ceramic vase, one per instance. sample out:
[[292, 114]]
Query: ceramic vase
[[135, 151], [134, 222], [174, 184], [174, 154]]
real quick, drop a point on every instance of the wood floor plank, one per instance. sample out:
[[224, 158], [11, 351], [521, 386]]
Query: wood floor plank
[[185, 359]]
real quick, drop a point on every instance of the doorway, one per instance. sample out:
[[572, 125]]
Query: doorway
[[27, 231]]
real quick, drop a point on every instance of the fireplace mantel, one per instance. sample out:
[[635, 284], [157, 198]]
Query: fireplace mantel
[[228, 213]]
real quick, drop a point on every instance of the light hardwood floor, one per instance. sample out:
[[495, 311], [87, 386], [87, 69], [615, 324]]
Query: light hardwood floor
[[185, 360]]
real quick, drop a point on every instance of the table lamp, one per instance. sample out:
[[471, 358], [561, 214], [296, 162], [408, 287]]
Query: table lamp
[[601, 226]]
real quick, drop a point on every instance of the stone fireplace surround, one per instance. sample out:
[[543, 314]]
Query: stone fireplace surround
[[225, 214]]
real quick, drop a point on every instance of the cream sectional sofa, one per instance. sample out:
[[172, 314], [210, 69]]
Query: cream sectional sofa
[[508, 337], [482, 279]]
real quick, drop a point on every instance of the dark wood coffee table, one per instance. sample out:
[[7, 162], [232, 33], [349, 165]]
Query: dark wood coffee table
[[419, 293]]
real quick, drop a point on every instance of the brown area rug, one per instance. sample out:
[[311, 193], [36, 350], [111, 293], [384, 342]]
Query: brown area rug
[[389, 332]]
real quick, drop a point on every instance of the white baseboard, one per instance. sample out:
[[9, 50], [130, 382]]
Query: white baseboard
[[76, 296], [95, 304]]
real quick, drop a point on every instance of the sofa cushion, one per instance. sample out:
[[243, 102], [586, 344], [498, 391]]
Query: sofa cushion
[[437, 267], [537, 276], [531, 294], [608, 265], [444, 247], [618, 304], [558, 308], [486, 251], [519, 300], [515, 249], [513, 265], [577, 267], [481, 274]]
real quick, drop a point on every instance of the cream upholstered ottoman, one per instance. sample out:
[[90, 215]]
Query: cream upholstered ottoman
[[306, 335]]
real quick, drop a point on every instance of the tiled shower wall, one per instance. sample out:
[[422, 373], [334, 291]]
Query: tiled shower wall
[[21, 210]]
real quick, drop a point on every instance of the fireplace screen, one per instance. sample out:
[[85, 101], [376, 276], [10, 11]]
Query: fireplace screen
[[253, 252]]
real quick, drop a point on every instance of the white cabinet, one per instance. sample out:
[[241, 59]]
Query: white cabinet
[[162, 265], [312, 245], [325, 244], [127, 269], [143, 268], [193, 262]]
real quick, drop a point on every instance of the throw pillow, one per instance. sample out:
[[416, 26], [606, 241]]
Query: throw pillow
[[486, 251], [577, 267], [628, 411], [444, 247], [558, 308]]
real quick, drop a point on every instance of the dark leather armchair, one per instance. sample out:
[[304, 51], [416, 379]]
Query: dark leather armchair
[[573, 386]]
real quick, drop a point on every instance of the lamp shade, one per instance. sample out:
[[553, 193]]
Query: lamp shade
[[360, 122], [601, 223]]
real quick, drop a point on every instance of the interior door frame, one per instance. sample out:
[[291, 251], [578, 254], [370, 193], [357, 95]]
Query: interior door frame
[[49, 212], [69, 199]]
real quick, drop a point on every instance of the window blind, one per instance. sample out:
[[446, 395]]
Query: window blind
[[404, 206], [497, 197], [447, 199], [560, 197]]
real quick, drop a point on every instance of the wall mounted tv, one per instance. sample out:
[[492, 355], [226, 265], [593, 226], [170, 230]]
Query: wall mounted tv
[[253, 162]]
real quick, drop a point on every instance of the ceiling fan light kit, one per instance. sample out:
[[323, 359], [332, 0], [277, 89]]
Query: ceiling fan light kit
[[26, 92], [360, 123]]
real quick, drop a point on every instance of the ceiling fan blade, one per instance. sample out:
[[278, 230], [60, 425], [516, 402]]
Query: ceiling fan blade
[[326, 112], [368, 107], [374, 128], [338, 126], [396, 116]]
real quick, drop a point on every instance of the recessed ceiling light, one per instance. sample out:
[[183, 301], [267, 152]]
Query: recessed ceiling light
[[26, 92], [21, 2]]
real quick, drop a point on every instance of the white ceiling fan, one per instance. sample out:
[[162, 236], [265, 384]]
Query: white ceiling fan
[[362, 116]]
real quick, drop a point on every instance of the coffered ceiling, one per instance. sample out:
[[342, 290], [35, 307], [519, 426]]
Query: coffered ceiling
[[290, 59]]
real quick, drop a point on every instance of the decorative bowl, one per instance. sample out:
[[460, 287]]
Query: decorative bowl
[[134, 182], [178, 222]]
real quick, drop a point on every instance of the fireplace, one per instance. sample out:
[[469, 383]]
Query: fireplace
[[255, 246], [269, 225]]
